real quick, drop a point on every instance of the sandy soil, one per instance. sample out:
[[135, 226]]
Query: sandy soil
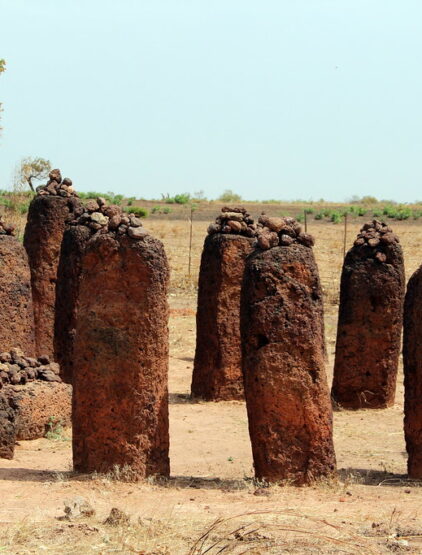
[[371, 508]]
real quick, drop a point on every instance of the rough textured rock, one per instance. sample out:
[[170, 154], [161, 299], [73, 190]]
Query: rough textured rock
[[217, 372], [67, 291], [370, 320], [43, 236], [412, 361], [7, 426], [120, 401], [40, 407], [16, 312], [287, 397]]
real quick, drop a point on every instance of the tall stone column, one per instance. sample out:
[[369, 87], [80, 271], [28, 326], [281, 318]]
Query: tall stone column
[[217, 372], [412, 362], [370, 320], [282, 328], [97, 217], [120, 395], [48, 213], [16, 311]]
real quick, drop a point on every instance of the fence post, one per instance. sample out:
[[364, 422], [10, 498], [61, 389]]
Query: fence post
[[345, 235], [306, 221], [190, 239]]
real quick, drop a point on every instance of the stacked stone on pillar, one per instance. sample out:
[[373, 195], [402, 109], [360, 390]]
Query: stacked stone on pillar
[[217, 371], [97, 218], [120, 393], [282, 330], [54, 204], [16, 311], [370, 320], [412, 362]]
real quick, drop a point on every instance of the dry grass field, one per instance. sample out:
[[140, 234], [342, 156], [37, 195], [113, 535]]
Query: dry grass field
[[211, 503]]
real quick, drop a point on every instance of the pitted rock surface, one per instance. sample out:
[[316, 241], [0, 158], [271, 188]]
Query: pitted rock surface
[[44, 230], [120, 401], [95, 217], [412, 362], [287, 396], [273, 231], [16, 309], [370, 320], [5, 228], [233, 220], [217, 372], [7, 426], [56, 186]]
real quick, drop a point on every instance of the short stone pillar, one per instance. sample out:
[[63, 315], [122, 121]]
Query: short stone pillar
[[120, 394], [7, 426], [54, 204], [16, 311], [370, 320], [282, 330], [217, 371], [97, 217], [412, 363]]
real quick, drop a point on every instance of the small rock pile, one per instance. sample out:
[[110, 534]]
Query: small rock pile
[[233, 220], [373, 236], [18, 369], [6, 229], [99, 216], [55, 186], [274, 232]]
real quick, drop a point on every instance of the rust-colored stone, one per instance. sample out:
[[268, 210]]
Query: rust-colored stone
[[7, 426], [43, 236], [412, 361], [120, 400], [40, 407], [369, 325], [287, 397], [67, 291], [16, 312], [217, 372]]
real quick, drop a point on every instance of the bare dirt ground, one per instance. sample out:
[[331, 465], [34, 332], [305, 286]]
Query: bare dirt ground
[[211, 504]]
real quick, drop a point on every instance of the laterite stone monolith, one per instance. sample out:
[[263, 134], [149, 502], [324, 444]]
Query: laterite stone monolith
[[412, 363], [370, 320], [217, 371], [16, 311], [48, 213], [282, 330], [120, 395]]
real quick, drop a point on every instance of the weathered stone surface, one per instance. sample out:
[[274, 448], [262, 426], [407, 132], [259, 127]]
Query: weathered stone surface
[[120, 401], [217, 372], [287, 397], [16, 311], [39, 406], [74, 241], [7, 426], [43, 236], [369, 324], [412, 361]]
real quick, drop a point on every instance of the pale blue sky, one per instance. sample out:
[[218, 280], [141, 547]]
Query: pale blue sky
[[272, 98]]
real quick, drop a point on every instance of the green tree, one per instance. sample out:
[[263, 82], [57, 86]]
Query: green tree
[[29, 169]]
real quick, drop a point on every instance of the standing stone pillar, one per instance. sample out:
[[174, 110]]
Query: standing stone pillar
[[412, 362], [282, 327], [97, 217], [370, 320], [47, 216], [120, 396], [16, 312], [217, 371]]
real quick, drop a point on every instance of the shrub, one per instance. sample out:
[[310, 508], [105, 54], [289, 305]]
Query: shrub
[[166, 210], [183, 198], [319, 216], [155, 210], [336, 217], [137, 210]]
